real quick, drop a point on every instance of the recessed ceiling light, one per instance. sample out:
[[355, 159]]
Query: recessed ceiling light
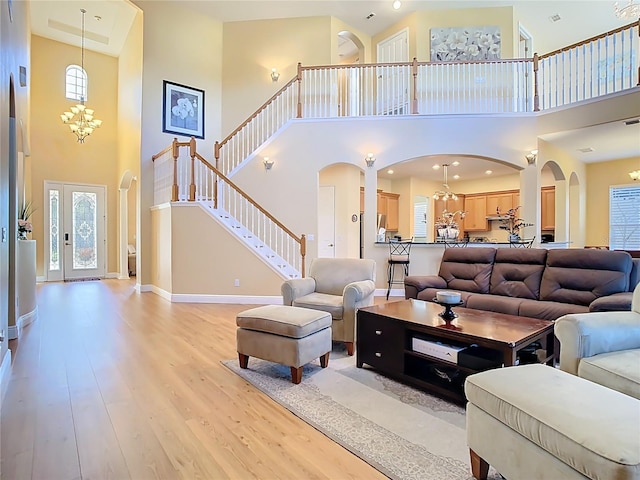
[[456, 163], [396, 4], [555, 18], [488, 172], [436, 167], [586, 150], [456, 177], [390, 172]]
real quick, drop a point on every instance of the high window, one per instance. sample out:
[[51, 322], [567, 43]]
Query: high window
[[624, 217], [76, 83]]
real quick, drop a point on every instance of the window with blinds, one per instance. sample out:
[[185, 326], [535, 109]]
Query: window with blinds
[[624, 217]]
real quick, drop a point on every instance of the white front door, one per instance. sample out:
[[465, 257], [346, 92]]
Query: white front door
[[76, 220], [327, 222]]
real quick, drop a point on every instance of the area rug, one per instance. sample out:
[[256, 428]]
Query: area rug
[[404, 433]]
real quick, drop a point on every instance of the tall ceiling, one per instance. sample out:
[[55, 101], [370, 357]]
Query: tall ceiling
[[551, 24]]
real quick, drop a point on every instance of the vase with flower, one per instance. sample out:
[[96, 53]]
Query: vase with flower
[[447, 225], [24, 225], [510, 222]]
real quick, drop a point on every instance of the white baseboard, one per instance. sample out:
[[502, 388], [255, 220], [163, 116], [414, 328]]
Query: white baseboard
[[395, 292], [123, 277], [41, 279], [27, 319], [112, 275], [200, 298], [5, 372], [12, 332], [143, 288]]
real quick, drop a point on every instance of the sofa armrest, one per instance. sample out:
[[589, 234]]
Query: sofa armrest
[[355, 295], [612, 303], [296, 288], [587, 334], [414, 284]]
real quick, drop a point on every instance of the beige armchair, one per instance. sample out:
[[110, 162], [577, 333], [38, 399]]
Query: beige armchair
[[603, 347], [338, 286]]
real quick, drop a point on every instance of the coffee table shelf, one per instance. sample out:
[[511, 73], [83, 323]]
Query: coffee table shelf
[[385, 332]]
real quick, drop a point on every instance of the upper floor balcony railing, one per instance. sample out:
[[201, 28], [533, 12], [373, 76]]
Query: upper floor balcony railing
[[598, 66]]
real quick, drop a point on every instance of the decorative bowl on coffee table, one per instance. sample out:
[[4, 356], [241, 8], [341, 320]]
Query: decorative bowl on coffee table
[[448, 315]]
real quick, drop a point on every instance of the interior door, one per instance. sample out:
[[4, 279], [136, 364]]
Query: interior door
[[327, 222], [393, 81], [76, 240]]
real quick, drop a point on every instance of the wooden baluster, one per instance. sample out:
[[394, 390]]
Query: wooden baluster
[[175, 152], [192, 154]]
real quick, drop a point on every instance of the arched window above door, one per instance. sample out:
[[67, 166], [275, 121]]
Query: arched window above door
[[76, 83]]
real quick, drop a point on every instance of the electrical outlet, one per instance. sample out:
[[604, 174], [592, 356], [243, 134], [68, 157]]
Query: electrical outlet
[[236, 282]]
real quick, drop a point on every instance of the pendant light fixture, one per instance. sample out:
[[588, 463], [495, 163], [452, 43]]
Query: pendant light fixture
[[445, 194], [80, 118]]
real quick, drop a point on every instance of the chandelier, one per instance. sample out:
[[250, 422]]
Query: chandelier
[[80, 118], [630, 10], [445, 194]]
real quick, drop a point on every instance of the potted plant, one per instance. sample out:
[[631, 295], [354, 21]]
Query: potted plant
[[447, 225], [510, 222], [24, 225]]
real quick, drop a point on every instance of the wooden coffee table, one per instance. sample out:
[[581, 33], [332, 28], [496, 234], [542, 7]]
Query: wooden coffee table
[[385, 333]]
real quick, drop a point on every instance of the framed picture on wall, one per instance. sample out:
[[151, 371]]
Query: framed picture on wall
[[182, 110]]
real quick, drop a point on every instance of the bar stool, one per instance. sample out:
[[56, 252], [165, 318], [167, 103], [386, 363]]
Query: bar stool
[[398, 255]]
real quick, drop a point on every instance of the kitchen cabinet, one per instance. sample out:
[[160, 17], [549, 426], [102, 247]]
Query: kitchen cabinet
[[476, 218], [548, 208], [439, 206], [503, 200], [389, 205]]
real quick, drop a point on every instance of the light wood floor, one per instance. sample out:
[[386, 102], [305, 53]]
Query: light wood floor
[[110, 383]]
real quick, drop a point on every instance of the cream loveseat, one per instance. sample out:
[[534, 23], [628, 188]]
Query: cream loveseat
[[603, 347], [338, 286]]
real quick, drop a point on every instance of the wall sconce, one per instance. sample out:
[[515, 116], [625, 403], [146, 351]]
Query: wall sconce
[[267, 163], [370, 159], [635, 175], [274, 75], [532, 157]]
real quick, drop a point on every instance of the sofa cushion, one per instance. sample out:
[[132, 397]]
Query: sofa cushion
[[517, 272], [617, 370], [332, 304], [548, 310], [590, 427], [283, 320], [494, 303], [467, 269], [580, 276]]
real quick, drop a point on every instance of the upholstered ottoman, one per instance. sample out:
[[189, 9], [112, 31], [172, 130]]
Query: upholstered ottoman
[[291, 336], [537, 422]]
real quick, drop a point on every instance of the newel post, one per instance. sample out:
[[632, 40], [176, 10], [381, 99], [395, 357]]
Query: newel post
[[175, 153], [303, 253], [299, 80], [536, 98], [414, 100], [192, 154], [216, 154]]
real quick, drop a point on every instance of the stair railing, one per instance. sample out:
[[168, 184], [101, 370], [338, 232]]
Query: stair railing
[[178, 178]]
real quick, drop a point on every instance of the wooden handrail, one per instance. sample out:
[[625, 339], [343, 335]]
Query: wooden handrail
[[161, 153], [257, 112], [245, 195], [410, 64], [589, 40]]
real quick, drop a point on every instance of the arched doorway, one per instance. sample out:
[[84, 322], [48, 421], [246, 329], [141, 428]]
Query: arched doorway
[[552, 175]]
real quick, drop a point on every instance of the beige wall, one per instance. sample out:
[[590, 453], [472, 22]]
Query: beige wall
[[601, 176], [172, 57], [159, 255], [56, 155], [420, 24], [252, 49], [346, 180]]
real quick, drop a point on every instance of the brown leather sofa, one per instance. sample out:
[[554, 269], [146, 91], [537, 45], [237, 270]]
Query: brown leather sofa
[[533, 282]]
